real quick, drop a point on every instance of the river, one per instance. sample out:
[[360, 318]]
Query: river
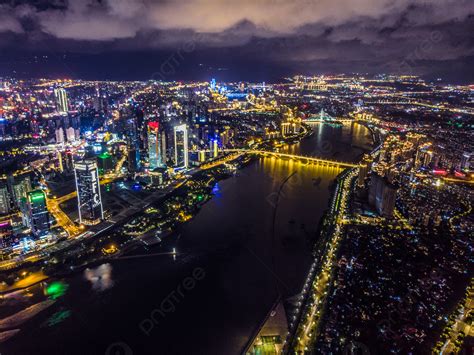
[[232, 261]]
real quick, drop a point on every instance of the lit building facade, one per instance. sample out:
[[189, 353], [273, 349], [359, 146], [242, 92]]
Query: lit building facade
[[382, 195], [181, 158], [20, 186], [89, 201], [214, 148], [38, 215], [62, 102], [155, 145], [465, 161], [364, 168], [4, 199], [133, 152]]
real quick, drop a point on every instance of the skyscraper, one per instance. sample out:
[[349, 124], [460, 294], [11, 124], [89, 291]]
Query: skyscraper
[[132, 146], [465, 161], [59, 135], [163, 145], [4, 199], [20, 186], [62, 103], [70, 134], [213, 148], [155, 145], [364, 167], [382, 195], [38, 215], [89, 202], [181, 146]]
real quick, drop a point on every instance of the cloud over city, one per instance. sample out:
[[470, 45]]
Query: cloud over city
[[298, 31]]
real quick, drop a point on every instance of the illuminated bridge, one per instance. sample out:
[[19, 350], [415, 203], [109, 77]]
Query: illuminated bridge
[[325, 117], [300, 158]]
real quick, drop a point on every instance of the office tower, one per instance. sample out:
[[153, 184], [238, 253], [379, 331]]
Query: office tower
[[89, 202], [162, 141], [6, 234], [154, 138], [428, 157], [99, 100], [62, 104], [418, 158], [59, 135], [225, 136], [202, 156], [3, 126], [213, 148], [382, 195], [133, 153], [70, 134], [465, 161], [19, 188], [364, 167], [105, 163], [387, 206], [181, 146], [375, 184], [132, 158], [4, 199], [38, 214], [68, 160]]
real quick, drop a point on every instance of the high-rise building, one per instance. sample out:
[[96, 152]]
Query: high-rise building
[[70, 134], [62, 103], [6, 234], [163, 146], [133, 151], [38, 214], [202, 156], [181, 146], [99, 100], [20, 186], [4, 199], [465, 161], [155, 145], [59, 135], [214, 148], [387, 206], [428, 156], [382, 195], [89, 202], [68, 160], [105, 163], [364, 167]]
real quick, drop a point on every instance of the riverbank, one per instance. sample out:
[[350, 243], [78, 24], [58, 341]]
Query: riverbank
[[230, 238]]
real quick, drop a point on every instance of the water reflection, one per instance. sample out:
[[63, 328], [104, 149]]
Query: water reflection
[[100, 277], [56, 318]]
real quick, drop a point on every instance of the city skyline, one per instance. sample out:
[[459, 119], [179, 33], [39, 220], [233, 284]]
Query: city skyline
[[258, 177], [321, 196]]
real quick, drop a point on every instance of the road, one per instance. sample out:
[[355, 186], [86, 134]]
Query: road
[[317, 288]]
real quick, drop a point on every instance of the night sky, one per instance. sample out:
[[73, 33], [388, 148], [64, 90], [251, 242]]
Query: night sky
[[236, 40]]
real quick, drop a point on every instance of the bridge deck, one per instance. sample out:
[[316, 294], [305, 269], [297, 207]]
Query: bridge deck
[[297, 157]]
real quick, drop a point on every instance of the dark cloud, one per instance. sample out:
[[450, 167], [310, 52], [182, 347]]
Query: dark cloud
[[421, 36]]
